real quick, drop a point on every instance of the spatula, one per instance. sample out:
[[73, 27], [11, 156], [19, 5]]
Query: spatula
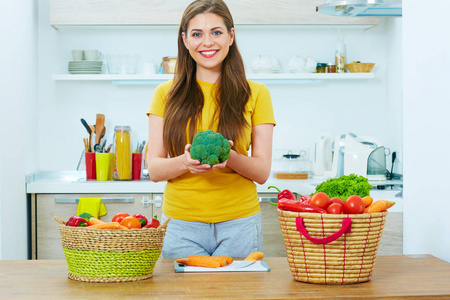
[[99, 125]]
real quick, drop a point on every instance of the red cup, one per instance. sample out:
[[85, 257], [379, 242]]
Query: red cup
[[136, 166], [90, 166]]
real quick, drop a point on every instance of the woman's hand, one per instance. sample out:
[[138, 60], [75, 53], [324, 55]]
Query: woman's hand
[[195, 166]]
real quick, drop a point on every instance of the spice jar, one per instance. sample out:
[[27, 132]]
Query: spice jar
[[331, 68], [321, 68], [122, 146]]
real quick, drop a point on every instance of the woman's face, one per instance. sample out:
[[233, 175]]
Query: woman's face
[[208, 42]]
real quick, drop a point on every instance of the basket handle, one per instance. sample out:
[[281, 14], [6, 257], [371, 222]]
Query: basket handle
[[163, 225], [346, 228], [59, 220]]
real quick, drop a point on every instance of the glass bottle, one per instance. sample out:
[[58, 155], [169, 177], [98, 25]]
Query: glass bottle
[[339, 58], [122, 146]]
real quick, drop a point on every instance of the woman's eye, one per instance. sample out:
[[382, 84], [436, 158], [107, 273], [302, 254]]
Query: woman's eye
[[217, 32], [196, 34]]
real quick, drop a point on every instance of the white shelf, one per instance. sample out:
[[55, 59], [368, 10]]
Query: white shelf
[[155, 78]]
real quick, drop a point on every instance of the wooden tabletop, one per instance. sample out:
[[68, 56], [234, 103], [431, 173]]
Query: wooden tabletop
[[394, 277]]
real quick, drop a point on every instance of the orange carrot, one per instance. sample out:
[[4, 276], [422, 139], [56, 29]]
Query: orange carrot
[[367, 200], [200, 261], [109, 225], [228, 259], [94, 221], [223, 260], [379, 206]]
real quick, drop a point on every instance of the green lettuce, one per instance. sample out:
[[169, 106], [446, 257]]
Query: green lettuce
[[345, 186]]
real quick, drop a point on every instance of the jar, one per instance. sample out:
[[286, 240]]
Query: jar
[[331, 68], [291, 163], [168, 64], [321, 68], [122, 146]]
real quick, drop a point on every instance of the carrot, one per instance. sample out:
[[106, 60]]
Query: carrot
[[94, 221], [109, 225], [200, 261], [367, 200], [228, 259], [223, 260], [379, 206]]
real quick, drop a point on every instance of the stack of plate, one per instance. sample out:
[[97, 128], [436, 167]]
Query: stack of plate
[[85, 67]]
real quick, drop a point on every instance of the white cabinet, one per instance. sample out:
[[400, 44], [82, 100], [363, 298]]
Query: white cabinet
[[46, 242], [156, 12]]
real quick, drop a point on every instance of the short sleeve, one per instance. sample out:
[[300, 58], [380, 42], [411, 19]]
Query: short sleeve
[[159, 99], [263, 109]]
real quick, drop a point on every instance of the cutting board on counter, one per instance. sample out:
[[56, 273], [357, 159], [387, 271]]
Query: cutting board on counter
[[258, 266]]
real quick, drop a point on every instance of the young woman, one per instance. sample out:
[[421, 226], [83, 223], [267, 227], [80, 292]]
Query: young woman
[[213, 210]]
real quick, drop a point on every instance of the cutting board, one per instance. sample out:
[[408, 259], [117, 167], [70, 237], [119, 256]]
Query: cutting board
[[258, 266]]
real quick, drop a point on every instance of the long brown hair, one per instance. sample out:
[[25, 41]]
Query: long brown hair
[[185, 98]]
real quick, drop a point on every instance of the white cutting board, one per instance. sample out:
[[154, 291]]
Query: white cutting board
[[258, 266]]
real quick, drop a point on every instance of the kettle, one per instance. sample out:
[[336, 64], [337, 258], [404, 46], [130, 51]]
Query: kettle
[[322, 156]]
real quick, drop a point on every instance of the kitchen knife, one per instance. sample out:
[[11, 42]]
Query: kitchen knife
[[249, 260]]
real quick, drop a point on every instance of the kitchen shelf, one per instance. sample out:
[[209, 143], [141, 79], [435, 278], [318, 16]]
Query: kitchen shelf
[[157, 78]]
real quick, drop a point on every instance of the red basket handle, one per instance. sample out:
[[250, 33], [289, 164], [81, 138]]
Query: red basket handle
[[346, 228]]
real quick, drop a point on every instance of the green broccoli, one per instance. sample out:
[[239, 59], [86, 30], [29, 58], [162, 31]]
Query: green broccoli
[[210, 147]]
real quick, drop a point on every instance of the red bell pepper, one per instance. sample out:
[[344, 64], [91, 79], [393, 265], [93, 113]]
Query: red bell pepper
[[306, 199], [141, 219], [76, 221], [298, 206], [153, 223], [285, 194]]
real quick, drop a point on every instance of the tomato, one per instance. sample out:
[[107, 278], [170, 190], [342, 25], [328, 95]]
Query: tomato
[[321, 200], [153, 223], [354, 205], [119, 217], [335, 209], [131, 222], [337, 200], [306, 198]]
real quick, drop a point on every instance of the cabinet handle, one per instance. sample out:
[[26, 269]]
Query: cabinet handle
[[268, 199], [104, 200]]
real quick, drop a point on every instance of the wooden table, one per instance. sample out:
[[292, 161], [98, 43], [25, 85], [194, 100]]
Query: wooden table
[[394, 277]]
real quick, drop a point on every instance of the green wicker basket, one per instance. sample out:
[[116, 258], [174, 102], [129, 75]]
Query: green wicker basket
[[111, 255]]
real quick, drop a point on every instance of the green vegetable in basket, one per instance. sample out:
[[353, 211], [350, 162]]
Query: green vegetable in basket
[[86, 216], [345, 186]]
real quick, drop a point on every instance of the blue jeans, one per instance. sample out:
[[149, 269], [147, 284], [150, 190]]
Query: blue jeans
[[235, 238]]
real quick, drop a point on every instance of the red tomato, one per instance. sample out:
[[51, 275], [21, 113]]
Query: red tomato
[[335, 209], [354, 205], [337, 200], [119, 217], [321, 200]]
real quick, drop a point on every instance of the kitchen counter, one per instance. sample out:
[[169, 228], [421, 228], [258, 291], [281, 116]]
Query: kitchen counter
[[398, 276], [75, 182]]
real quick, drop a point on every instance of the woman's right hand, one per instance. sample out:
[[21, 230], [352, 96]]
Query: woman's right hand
[[194, 166]]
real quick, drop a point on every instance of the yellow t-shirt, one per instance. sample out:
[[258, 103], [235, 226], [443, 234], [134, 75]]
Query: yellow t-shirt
[[222, 194]]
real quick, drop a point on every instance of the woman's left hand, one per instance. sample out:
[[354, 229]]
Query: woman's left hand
[[197, 167]]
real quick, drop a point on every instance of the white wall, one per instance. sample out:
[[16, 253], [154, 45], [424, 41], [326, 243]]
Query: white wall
[[18, 120], [303, 110], [426, 128]]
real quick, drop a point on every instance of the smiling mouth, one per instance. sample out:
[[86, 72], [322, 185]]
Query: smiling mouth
[[210, 53]]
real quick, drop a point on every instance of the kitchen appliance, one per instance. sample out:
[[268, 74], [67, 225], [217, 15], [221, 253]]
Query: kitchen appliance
[[350, 154], [361, 8]]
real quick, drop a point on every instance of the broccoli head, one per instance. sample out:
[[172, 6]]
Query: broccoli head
[[210, 147]]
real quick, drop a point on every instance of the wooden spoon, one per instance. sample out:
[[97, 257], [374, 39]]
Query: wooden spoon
[[99, 125]]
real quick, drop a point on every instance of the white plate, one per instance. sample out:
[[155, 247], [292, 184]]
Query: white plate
[[85, 72]]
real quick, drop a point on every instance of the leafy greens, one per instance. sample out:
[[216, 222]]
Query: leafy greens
[[345, 186]]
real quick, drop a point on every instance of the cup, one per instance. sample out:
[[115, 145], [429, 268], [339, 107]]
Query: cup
[[91, 173], [103, 161], [132, 62], [112, 163], [92, 54], [148, 68], [114, 63], [136, 166], [77, 55]]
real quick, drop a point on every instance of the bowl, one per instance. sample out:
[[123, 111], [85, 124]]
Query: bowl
[[360, 67]]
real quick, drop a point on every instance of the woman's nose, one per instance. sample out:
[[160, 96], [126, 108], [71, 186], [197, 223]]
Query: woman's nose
[[208, 41]]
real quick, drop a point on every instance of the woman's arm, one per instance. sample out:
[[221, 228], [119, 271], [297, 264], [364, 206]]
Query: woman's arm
[[256, 167], [160, 166]]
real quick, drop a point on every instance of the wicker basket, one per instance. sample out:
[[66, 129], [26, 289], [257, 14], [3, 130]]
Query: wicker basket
[[111, 255], [360, 67], [331, 249]]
